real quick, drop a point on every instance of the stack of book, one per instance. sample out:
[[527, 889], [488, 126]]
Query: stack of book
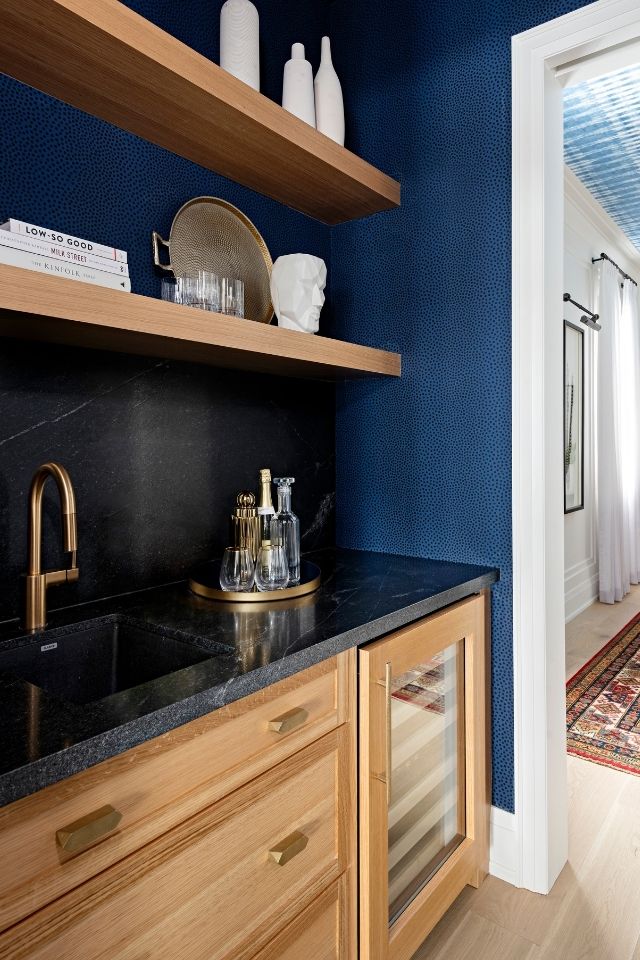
[[36, 248]]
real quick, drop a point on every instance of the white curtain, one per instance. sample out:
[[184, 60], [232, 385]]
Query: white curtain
[[618, 423], [630, 421]]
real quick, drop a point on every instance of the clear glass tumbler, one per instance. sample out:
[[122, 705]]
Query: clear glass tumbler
[[237, 570], [171, 289], [201, 289], [232, 297], [272, 567], [209, 290]]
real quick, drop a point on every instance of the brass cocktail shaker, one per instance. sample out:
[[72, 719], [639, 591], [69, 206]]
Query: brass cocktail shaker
[[245, 524]]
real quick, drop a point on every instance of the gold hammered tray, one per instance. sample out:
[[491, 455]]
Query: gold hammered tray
[[204, 580], [208, 233]]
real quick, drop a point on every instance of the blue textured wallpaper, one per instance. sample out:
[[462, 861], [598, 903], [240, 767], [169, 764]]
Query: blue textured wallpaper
[[424, 464]]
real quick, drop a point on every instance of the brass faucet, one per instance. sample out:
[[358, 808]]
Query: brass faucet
[[35, 615]]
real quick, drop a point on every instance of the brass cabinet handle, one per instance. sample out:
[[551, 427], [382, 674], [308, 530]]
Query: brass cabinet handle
[[288, 848], [289, 721], [386, 778], [387, 690], [87, 830]]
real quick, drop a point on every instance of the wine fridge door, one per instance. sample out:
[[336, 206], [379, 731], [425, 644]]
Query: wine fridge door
[[423, 796]]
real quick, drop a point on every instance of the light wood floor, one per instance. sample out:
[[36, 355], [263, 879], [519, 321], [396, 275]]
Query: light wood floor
[[593, 911]]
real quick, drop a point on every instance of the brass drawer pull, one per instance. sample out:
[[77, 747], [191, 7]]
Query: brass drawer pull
[[288, 848], [289, 721], [87, 830]]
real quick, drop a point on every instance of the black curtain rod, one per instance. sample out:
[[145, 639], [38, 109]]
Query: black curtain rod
[[604, 256], [592, 320]]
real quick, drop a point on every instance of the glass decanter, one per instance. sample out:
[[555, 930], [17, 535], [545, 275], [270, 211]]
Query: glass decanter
[[290, 527]]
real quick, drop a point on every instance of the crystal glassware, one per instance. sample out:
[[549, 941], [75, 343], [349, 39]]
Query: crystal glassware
[[171, 289], [209, 290], [232, 297], [272, 569], [191, 291], [201, 289], [237, 570], [289, 526]]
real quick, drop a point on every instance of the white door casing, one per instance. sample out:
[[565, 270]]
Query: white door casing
[[540, 833]]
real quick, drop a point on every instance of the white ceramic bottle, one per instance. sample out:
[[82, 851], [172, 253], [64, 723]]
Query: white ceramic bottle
[[297, 86], [240, 41], [328, 96]]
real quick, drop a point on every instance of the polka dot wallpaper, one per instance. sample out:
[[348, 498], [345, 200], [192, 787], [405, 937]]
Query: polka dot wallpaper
[[424, 463]]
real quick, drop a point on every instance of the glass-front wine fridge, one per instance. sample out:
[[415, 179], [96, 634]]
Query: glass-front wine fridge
[[423, 776]]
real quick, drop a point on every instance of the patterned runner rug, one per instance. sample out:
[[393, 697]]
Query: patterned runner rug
[[603, 704]]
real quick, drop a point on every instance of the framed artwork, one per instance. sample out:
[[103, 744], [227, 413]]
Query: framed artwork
[[573, 418]]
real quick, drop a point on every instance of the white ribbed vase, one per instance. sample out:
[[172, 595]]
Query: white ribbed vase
[[328, 96], [297, 86], [240, 41]]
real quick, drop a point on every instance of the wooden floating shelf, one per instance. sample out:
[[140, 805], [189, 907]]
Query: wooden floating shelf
[[35, 306], [107, 60]]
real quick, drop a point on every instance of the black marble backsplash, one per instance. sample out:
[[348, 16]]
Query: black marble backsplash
[[156, 451]]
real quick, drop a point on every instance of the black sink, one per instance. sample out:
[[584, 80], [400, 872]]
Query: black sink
[[97, 660]]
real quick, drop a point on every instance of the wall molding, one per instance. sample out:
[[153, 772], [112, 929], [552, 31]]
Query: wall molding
[[503, 846], [577, 194]]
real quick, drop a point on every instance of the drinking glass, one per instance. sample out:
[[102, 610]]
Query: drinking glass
[[201, 289], [232, 297], [209, 284], [272, 566], [191, 291], [237, 570], [171, 289]]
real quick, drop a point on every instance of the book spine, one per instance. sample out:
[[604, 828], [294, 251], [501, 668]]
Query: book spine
[[64, 239], [30, 245], [62, 268]]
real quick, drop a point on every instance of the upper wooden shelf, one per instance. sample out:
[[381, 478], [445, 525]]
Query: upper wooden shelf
[[36, 306], [103, 58]]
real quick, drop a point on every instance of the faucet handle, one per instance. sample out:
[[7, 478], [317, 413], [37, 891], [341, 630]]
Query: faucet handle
[[54, 577]]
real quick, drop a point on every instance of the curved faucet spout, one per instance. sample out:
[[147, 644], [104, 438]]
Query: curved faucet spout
[[37, 581]]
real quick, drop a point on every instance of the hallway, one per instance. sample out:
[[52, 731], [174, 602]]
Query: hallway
[[593, 911]]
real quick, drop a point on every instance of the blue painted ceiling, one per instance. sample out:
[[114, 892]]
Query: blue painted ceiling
[[602, 143]]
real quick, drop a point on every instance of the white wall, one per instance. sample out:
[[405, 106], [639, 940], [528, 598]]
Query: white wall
[[588, 231]]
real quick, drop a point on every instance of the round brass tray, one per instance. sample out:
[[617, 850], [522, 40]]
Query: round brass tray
[[208, 233], [204, 580]]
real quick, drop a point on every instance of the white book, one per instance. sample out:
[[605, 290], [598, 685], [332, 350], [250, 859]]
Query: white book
[[30, 245], [62, 268], [64, 239]]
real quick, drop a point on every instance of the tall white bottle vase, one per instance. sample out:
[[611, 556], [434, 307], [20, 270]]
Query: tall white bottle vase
[[328, 95], [240, 41], [297, 86]]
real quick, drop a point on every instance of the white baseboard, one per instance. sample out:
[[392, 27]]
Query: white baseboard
[[581, 595], [503, 846], [586, 603]]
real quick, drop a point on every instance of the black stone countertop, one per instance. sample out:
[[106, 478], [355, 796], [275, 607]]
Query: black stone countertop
[[363, 596]]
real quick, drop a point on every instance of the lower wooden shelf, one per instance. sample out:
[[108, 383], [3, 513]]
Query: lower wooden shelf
[[34, 306]]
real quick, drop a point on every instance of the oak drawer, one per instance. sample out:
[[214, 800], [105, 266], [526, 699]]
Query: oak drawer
[[317, 934], [157, 785], [212, 887]]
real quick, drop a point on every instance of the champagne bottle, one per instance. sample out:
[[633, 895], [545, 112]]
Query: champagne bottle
[[265, 505]]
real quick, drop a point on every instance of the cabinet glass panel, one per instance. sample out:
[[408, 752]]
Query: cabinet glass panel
[[427, 789]]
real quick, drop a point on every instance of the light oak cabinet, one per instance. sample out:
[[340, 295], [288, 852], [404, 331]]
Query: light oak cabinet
[[230, 828], [235, 837]]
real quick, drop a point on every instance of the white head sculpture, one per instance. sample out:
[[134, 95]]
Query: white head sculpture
[[297, 291]]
